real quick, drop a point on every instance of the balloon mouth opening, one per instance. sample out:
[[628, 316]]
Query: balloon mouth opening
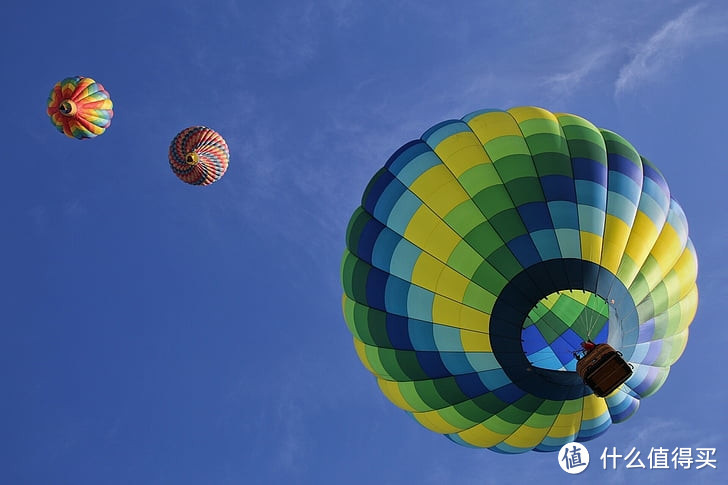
[[192, 158], [558, 324], [67, 108]]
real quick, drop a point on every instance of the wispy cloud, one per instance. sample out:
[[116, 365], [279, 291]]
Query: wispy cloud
[[582, 67], [666, 46]]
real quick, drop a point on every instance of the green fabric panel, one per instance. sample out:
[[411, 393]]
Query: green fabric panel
[[409, 392], [499, 424], [376, 321], [506, 146], [478, 178], [543, 143], [375, 361], [672, 348], [359, 219], [542, 421], [452, 416], [618, 145], [464, 217], [349, 308], [428, 391], [449, 391], [550, 407], [639, 289], [525, 190], [503, 260], [514, 167], [354, 276], [626, 266], [539, 126], [574, 128], [551, 327], [484, 239], [651, 270], [470, 410], [360, 322], [553, 164], [586, 149], [479, 298], [515, 415], [464, 259], [489, 403], [567, 309], [509, 224], [572, 406], [493, 200], [489, 278], [528, 403]]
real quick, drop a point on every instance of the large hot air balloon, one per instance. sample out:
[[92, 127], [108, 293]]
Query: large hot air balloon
[[199, 155], [80, 107], [485, 252]]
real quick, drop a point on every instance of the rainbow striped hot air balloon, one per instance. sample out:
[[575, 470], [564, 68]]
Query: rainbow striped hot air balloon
[[80, 107], [486, 251], [199, 155]]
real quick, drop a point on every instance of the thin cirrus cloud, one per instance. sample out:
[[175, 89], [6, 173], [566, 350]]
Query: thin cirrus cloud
[[647, 60], [693, 27]]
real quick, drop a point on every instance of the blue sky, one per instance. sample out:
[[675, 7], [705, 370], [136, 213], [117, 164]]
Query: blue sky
[[160, 333]]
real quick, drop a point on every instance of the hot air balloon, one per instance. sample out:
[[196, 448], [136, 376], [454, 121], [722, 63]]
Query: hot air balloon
[[80, 107], [486, 251], [199, 155]]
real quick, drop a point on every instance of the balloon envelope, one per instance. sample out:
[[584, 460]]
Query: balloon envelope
[[484, 252], [80, 107], [199, 155]]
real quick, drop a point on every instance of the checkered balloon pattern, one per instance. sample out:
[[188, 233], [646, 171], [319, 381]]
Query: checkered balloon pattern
[[484, 253]]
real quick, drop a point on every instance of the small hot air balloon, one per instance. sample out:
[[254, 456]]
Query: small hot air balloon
[[199, 155], [80, 107]]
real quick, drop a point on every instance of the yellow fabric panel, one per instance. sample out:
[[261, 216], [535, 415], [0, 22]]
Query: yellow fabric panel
[[475, 341], [565, 425], [593, 407], [667, 249], [430, 233], [523, 113], [567, 119], [581, 296], [447, 197], [446, 311], [433, 421], [421, 225], [427, 271], [472, 319], [481, 436], [642, 238], [591, 246], [393, 393], [360, 348], [688, 308], [452, 284], [526, 437], [686, 269], [550, 300], [440, 189], [489, 126], [616, 235], [461, 152]]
